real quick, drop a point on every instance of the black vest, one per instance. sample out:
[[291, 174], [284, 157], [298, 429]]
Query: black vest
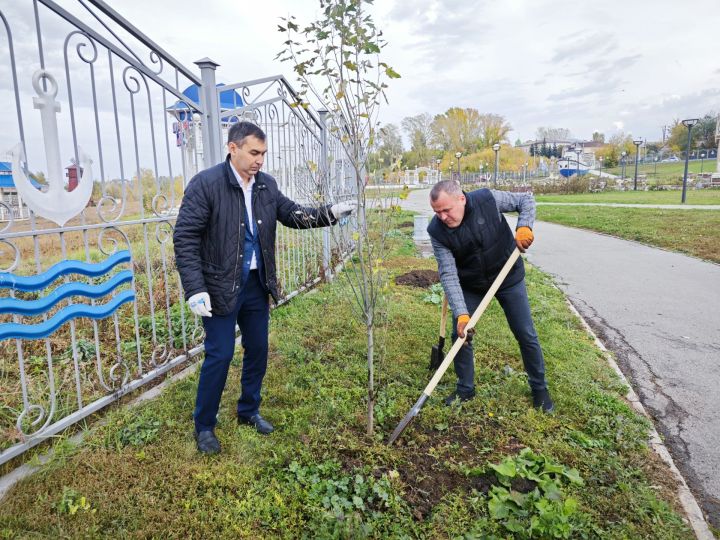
[[480, 244]]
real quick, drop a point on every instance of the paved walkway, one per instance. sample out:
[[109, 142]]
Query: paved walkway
[[659, 312]]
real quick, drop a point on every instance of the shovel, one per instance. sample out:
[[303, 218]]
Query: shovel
[[436, 353], [459, 342]]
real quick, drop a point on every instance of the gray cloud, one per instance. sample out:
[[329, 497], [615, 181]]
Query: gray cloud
[[599, 43], [446, 32]]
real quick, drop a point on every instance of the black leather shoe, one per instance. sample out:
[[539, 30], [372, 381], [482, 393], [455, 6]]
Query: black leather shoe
[[207, 442], [260, 424], [459, 397], [542, 400]]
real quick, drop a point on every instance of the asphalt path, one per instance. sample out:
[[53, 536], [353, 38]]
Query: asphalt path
[[659, 312]]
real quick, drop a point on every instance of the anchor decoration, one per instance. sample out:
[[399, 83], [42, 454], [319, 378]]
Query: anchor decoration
[[56, 204]]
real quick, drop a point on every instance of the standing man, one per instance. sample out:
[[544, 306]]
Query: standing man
[[225, 253], [472, 240]]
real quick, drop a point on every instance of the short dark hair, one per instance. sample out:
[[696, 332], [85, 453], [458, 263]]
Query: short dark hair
[[239, 131], [451, 187]]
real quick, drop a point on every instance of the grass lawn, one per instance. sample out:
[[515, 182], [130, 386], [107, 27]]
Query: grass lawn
[[686, 231], [460, 472], [665, 172], [700, 196]]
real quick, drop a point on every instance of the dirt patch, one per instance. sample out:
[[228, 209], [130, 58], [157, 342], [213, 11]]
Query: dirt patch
[[410, 224], [426, 474], [418, 278]]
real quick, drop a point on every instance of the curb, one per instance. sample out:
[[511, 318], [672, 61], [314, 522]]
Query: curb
[[693, 512]]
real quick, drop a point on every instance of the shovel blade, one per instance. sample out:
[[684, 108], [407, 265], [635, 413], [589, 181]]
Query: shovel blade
[[405, 422], [437, 354]]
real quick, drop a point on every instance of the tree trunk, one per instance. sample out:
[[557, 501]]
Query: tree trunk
[[371, 378]]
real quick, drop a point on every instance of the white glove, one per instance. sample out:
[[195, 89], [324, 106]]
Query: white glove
[[343, 209], [200, 304]]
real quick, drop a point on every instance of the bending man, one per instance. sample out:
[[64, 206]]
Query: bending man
[[472, 240]]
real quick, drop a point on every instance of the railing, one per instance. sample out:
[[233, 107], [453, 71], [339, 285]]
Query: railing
[[111, 128]]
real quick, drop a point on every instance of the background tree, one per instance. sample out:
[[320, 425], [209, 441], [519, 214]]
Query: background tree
[[418, 130], [389, 146], [493, 128], [336, 59], [705, 131], [703, 134], [598, 137], [457, 130]]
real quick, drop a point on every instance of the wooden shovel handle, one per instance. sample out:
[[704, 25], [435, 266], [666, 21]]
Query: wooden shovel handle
[[443, 316], [459, 342]]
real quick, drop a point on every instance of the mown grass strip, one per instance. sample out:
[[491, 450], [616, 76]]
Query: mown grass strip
[[457, 473], [700, 196], [686, 231]]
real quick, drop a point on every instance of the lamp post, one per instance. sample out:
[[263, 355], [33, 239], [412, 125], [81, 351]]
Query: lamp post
[[702, 161], [601, 160], [622, 158], [496, 148], [458, 155], [655, 171], [637, 143], [437, 162], [525, 171], [689, 123], [578, 151]]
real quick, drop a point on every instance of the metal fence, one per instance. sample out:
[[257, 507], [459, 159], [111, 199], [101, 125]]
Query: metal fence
[[107, 129]]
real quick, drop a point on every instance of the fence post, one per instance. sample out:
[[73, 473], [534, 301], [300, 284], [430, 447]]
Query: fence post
[[211, 131], [325, 176]]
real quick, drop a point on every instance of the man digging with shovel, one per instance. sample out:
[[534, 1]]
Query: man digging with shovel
[[472, 240]]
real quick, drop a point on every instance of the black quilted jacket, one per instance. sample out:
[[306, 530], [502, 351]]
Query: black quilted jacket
[[210, 231]]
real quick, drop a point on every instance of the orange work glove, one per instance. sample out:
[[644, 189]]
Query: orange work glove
[[523, 238], [462, 322]]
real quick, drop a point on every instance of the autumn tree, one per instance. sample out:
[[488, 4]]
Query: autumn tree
[[493, 129], [457, 130], [418, 130], [336, 59], [388, 146]]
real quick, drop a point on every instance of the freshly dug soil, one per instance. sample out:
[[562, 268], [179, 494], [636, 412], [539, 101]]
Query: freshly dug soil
[[418, 278]]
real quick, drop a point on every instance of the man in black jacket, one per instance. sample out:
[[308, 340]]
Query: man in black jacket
[[472, 240], [225, 253]]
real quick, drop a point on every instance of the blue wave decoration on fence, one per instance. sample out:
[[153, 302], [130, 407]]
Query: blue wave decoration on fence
[[41, 305], [40, 281], [37, 331]]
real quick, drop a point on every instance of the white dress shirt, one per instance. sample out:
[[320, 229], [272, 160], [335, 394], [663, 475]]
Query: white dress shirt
[[247, 192]]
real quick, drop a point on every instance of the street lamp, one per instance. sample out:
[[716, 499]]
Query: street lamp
[[578, 151], [601, 161], [624, 153], [437, 162], [637, 143], [702, 161], [458, 155], [689, 123], [496, 148], [525, 171]]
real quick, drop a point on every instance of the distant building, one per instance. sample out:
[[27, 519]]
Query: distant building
[[11, 204]]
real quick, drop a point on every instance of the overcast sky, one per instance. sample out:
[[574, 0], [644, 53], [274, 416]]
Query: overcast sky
[[606, 66]]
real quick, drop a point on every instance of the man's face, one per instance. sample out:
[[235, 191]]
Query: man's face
[[449, 209], [248, 157]]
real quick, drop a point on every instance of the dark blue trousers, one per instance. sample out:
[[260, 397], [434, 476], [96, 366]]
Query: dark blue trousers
[[514, 301], [252, 314]]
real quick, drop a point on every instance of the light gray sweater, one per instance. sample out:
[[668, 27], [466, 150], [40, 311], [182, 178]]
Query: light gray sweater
[[506, 201]]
